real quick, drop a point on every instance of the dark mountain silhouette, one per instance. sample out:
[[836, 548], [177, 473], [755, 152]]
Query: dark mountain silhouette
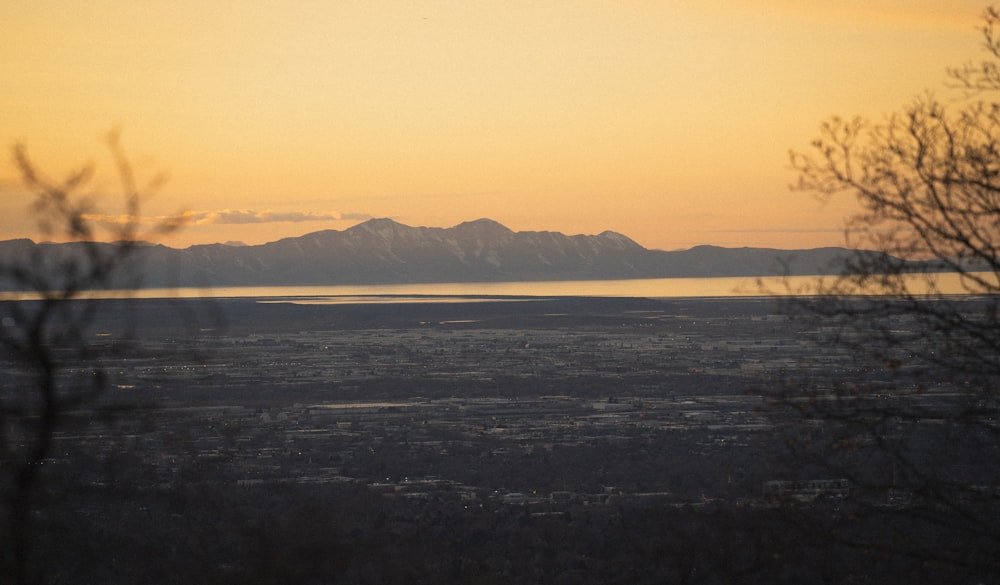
[[382, 251]]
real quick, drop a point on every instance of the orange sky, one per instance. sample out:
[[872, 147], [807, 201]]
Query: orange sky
[[667, 120]]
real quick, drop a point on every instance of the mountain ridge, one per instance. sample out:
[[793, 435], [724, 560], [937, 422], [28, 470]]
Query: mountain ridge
[[384, 251]]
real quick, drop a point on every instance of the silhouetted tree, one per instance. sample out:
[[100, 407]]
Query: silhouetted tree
[[914, 425], [51, 363]]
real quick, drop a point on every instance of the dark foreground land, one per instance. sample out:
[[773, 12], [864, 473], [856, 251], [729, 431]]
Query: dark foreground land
[[568, 440]]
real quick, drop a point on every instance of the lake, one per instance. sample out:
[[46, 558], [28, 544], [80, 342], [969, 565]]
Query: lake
[[949, 284]]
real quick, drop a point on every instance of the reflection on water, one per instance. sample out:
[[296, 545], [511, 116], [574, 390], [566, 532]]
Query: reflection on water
[[949, 284], [269, 296]]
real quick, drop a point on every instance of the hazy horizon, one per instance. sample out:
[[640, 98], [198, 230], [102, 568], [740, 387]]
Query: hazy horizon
[[307, 232]]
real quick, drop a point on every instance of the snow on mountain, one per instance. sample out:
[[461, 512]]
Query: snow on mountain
[[383, 251]]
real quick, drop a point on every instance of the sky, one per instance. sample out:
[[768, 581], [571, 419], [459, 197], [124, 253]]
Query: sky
[[669, 121]]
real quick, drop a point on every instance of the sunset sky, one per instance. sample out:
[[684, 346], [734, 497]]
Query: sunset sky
[[667, 120]]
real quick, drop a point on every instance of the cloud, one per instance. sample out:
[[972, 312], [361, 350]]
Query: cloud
[[230, 217], [244, 216], [108, 220]]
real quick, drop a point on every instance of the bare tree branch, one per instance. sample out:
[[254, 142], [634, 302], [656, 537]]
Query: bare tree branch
[[47, 341]]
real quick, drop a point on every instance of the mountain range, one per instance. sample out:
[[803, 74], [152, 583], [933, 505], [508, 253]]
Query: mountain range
[[383, 251]]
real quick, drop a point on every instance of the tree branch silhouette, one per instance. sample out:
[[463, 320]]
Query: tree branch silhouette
[[919, 418], [52, 362]]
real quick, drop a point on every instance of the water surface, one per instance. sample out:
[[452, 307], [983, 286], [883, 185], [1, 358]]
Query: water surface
[[949, 284]]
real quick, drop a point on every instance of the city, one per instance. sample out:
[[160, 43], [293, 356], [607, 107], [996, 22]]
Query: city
[[383, 422]]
